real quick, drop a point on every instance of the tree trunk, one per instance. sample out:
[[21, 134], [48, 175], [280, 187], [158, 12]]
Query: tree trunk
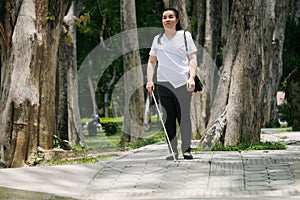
[[93, 94], [225, 21], [68, 117], [32, 32], [180, 5], [294, 80], [241, 89], [293, 94], [106, 100], [133, 93], [212, 27], [199, 15], [272, 59]]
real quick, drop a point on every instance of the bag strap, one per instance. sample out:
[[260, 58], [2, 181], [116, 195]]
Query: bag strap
[[185, 42]]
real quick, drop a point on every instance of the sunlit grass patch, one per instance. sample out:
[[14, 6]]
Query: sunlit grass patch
[[83, 160], [250, 146]]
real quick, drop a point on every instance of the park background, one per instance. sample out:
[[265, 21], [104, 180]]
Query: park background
[[254, 46]]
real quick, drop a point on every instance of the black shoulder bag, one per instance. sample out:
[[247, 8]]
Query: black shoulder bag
[[198, 84]]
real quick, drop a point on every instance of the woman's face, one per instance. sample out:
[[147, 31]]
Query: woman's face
[[169, 20]]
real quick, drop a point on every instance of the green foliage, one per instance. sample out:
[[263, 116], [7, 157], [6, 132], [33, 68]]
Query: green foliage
[[111, 125], [50, 17], [249, 146], [101, 12], [110, 128], [84, 19], [149, 13], [60, 143], [106, 14]]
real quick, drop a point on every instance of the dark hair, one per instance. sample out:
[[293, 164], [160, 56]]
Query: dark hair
[[178, 25]]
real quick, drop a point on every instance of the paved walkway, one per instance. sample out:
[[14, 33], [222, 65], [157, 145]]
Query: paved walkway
[[145, 174]]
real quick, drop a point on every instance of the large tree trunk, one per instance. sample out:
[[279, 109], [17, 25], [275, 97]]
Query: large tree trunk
[[241, 89], [68, 117], [208, 58], [272, 59], [199, 108], [133, 94], [32, 32]]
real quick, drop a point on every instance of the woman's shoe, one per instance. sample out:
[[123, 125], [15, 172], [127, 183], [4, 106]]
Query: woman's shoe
[[171, 157], [187, 155]]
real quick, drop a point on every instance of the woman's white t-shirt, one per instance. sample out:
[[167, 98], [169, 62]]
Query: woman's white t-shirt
[[173, 64]]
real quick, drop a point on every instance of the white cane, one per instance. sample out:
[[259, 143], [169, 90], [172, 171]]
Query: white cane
[[162, 122]]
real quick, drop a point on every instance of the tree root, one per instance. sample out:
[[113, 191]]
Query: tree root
[[214, 133]]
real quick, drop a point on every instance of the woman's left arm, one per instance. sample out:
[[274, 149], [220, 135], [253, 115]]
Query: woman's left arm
[[193, 71], [193, 65]]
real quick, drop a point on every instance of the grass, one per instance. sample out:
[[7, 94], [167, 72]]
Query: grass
[[113, 141], [249, 146], [284, 137], [159, 137], [103, 143], [100, 147], [74, 161], [284, 129]]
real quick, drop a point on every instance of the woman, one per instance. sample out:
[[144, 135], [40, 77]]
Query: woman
[[175, 78]]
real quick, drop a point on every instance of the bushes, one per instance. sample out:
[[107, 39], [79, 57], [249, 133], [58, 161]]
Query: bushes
[[111, 125], [110, 128]]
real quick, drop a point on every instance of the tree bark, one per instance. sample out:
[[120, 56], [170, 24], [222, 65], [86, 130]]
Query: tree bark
[[212, 27], [293, 94], [199, 13], [273, 58], [225, 21], [32, 32], [294, 79], [106, 94], [241, 88], [180, 5], [134, 97], [68, 117]]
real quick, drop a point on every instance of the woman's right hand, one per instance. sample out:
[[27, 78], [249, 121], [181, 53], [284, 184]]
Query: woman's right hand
[[150, 87]]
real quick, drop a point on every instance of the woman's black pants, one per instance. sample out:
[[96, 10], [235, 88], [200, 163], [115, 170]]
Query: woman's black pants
[[176, 105]]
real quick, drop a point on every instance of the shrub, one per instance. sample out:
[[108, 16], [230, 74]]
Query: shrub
[[110, 128]]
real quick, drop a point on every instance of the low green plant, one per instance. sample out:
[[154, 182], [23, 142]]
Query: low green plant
[[250, 146], [110, 128], [60, 143]]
